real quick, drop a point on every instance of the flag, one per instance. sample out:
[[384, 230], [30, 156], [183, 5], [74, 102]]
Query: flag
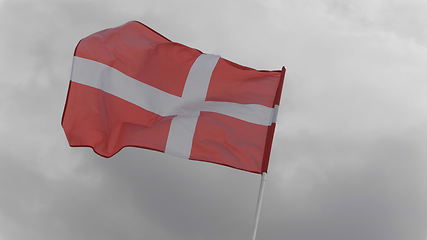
[[131, 86]]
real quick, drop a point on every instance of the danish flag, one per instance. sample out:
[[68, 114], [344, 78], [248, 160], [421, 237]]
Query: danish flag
[[131, 86]]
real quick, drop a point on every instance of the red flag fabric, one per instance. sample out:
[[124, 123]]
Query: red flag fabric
[[131, 86]]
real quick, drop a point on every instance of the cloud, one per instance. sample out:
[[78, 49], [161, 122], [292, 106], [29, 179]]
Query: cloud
[[405, 19], [348, 157]]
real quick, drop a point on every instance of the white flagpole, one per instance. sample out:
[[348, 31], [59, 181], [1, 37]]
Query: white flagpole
[[259, 203]]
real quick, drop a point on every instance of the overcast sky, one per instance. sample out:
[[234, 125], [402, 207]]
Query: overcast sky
[[349, 160]]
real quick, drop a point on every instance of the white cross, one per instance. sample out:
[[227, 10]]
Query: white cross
[[185, 109], [183, 126]]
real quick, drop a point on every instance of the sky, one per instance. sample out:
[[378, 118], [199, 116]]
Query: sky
[[348, 159]]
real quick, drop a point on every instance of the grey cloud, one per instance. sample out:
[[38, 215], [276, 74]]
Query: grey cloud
[[348, 159], [405, 19]]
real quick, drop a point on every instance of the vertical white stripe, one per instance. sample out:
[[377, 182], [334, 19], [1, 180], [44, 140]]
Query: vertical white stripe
[[183, 125], [181, 134], [198, 78]]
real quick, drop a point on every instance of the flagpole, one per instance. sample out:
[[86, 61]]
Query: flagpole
[[259, 203]]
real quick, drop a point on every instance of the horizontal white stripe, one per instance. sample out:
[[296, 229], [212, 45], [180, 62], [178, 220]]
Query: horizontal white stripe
[[275, 113], [252, 113], [110, 80]]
